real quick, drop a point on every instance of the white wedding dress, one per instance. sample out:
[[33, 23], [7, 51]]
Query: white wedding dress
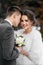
[[34, 46]]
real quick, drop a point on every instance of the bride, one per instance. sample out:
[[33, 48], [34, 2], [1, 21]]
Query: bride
[[33, 41]]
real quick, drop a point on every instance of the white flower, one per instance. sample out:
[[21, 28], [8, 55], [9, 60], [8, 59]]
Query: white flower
[[20, 40]]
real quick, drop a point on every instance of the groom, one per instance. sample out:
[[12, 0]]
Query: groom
[[8, 52]]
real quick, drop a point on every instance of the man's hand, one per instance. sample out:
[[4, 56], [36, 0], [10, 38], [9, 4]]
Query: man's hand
[[19, 49]]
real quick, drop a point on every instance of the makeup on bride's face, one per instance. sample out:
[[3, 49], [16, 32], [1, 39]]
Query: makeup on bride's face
[[25, 22]]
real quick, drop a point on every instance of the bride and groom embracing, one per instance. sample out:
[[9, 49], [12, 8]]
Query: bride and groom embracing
[[32, 52]]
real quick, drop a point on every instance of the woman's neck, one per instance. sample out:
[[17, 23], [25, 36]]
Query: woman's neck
[[28, 30]]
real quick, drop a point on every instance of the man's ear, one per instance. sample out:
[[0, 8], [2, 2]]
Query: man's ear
[[14, 14]]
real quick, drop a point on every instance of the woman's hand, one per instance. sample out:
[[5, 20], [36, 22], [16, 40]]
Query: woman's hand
[[24, 52]]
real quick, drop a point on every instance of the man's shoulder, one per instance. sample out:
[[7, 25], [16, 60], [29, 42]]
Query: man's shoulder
[[4, 23]]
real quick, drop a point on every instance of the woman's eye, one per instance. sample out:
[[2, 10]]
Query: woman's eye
[[21, 20], [26, 20]]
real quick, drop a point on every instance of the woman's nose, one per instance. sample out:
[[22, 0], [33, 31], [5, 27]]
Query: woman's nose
[[24, 22]]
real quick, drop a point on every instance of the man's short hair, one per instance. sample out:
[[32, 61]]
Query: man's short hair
[[13, 9]]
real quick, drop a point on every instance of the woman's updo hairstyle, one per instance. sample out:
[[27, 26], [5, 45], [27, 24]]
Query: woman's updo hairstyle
[[30, 15]]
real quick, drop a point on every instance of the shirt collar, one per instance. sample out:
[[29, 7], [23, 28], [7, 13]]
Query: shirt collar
[[9, 21]]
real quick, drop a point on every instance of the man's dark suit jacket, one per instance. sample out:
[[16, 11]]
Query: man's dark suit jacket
[[8, 52]]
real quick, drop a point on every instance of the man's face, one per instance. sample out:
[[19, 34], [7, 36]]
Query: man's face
[[16, 19]]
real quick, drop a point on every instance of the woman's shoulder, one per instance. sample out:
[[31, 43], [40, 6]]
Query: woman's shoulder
[[36, 33]]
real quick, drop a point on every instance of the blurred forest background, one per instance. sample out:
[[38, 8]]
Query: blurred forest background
[[35, 5]]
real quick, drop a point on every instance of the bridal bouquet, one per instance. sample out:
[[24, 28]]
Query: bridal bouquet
[[20, 40]]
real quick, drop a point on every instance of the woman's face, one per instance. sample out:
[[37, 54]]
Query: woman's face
[[25, 22]]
